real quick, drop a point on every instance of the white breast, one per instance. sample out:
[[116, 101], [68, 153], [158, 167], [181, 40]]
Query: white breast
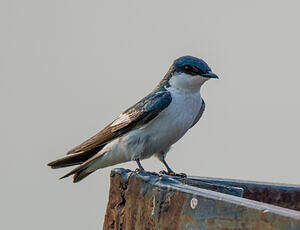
[[173, 122]]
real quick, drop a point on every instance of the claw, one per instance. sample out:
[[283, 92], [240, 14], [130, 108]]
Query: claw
[[139, 170], [183, 175], [163, 172]]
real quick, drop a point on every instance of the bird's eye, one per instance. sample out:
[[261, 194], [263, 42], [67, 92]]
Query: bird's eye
[[188, 68]]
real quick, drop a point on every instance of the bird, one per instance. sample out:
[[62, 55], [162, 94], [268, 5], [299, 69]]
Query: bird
[[148, 128]]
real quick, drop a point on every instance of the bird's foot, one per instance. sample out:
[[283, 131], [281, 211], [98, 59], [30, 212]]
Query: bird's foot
[[140, 170], [164, 172], [171, 173]]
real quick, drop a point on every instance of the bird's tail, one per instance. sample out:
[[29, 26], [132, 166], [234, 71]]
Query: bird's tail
[[83, 159], [84, 169], [79, 173], [70, 160], [74, 159], [89, 162]]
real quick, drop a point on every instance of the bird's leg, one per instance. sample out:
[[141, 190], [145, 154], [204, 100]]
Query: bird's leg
[[170, 171], [140, 166]]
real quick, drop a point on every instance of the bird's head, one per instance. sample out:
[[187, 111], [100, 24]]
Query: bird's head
[[189, 72]]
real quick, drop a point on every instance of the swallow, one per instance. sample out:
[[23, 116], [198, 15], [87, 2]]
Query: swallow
[[148, 128]]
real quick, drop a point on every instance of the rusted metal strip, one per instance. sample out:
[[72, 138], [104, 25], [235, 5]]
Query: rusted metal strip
[[146, 201], [213, 186], [283, 195]]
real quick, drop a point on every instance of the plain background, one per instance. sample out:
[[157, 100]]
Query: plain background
[[67, 68]]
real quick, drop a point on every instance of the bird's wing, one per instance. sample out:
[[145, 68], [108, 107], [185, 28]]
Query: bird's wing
[[199, 115], [139, 114]]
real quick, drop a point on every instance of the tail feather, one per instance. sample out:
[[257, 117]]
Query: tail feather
[[80, 172], [85, 159], [75, 159], [84, 169], [79, 176], [69, 161], [77, 171]]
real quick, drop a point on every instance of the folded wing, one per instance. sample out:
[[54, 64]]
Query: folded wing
[[139, 114], [136, 116]]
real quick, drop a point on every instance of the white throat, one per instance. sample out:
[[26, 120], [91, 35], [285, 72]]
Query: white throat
[[186, 82]]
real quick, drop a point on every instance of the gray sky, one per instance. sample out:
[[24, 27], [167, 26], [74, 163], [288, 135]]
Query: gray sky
[[67, 68]]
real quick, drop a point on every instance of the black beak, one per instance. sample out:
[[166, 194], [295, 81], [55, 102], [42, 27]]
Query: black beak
[[210, 75]]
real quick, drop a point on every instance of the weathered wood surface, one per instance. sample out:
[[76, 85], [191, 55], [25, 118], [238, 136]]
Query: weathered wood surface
[[139, 200]]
